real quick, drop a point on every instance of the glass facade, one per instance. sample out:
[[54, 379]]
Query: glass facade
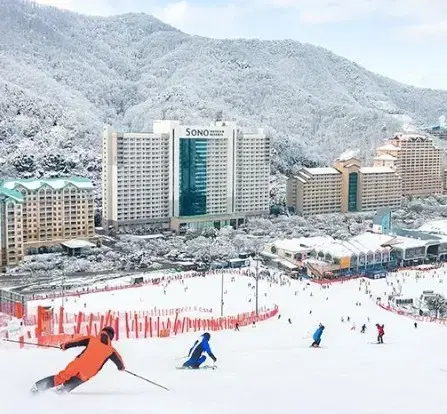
[[352, 191], [192, 180]]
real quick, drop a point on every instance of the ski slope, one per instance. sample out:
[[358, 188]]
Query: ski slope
[[264, 369]]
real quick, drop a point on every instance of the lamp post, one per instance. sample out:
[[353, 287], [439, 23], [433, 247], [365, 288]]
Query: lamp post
[[255, 257], [222, 295], [63, 289]]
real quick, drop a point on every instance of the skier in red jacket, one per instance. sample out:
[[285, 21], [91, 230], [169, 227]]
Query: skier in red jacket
[[380, 333]]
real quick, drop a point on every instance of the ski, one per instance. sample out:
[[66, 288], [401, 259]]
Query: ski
[[197, 369]]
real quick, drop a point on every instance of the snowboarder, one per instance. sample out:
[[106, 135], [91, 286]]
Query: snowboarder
[[98, 350], [237, 327], [317, 336], [363, 330], [196, 353], [380, 333], [290, 321], [416, 325]]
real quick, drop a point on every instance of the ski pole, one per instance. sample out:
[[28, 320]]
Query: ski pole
[[31, 343], [145, 379]]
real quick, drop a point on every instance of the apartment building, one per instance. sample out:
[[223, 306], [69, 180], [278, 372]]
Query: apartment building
[[44, 212], [11, 226], [379, 187], [252, 175], [368, 188], [417, 161], [182, 177], [136, 178], [315, 191]]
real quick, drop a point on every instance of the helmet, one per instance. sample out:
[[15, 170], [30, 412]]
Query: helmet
[[207, 336], [109, 331]]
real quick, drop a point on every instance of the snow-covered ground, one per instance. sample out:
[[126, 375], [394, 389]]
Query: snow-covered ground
[[200, 292], [411, 283], [266, 369]]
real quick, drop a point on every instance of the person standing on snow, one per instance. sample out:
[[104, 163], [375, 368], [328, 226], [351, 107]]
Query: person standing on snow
[[98, 350], [363, 330], [196, 353], [380, 333], [317, 336]]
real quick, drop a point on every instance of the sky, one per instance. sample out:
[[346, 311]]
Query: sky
[[403, 39]]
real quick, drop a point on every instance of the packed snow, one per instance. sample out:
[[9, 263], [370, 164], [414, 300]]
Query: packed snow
[[264, 369]]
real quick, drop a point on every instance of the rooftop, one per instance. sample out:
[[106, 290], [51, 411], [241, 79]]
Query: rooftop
[[409, 243], [77, 244], [321, 171], [435, 227], [15, 195], [376, 170], [411, 137], [388, 147], [34, 184], [385, 157], [301, 244]]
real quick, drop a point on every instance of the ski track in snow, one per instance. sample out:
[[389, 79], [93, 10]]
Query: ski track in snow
[[264, 369]]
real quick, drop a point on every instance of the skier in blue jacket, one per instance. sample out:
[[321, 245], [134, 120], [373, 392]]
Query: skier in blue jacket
[[196, 353], [317, 336]]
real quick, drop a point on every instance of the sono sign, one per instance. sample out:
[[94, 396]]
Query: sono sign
[[203, 132]]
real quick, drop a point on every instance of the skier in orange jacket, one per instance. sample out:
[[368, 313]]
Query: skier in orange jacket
[[98, 350]]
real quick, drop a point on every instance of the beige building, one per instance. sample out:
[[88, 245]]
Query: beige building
[[315, 191], [379, 187], [368, 188], [416, 160], [11, 226], [347, 187], [185, 177], [46, 212]]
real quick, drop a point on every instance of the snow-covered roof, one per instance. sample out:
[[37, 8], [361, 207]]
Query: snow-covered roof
[[321, 171], [347, 155], [388, 147], [148, 237], [372, 241], [15, 195], [409, 243], [55, 183], [285, 263], [385, 157], [376, 170], [301, 244], [435, 227], [337, 249], [408, 137], [77, 244]]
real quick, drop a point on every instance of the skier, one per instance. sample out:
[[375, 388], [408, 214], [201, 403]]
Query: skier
[[196, 357], [98, 350], [237, 327], [363, 330], [317, 336], [380, 333], [416, 325], [290, 321]]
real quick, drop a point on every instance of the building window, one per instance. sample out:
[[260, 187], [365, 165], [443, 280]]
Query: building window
[[352, 191], [193, 174]]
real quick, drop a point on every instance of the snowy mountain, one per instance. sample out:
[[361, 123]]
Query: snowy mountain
[[63, 75]]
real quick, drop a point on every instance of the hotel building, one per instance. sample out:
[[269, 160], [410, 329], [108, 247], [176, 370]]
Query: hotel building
[[182, 177], [417, 161], [347, 187], [315, 191], [43, 212]]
